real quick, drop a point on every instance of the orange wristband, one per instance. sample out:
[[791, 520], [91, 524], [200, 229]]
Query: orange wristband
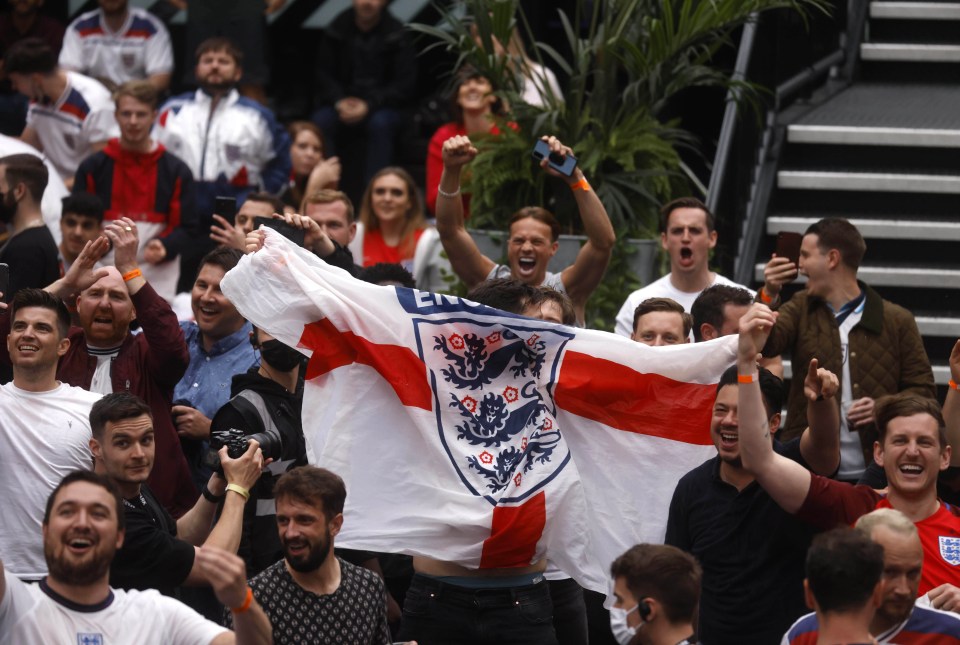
[[581, 185], [764, 297], [246, 603], [953, 385], [136, 273], [746, 378]]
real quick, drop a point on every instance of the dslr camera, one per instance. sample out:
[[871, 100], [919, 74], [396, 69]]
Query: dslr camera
[[236, 442]]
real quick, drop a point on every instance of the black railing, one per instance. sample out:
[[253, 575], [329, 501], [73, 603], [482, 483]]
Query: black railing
[[791, 56]]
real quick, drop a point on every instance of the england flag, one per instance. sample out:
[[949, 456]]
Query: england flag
[[470, 435]]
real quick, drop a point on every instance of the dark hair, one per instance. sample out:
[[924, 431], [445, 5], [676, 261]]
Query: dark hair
[[663, 304], [312, 485], [709, 305], [468, 72], [296, 127], [843, 569], [329, 196], [549, 294], [220, 44], [383, 272], [139, 90], [771, 387], [114, 407], [505, 294], [265, 198], [30, 56], [539, 214], [685, 202], [414, 218], [837, 233], [26, 169], [224, 257], [84, 205], [45, 300], [890, 407], [91, 478], [665, 573]]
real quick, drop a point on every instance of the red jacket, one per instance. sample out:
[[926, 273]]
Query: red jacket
[[149, 364]]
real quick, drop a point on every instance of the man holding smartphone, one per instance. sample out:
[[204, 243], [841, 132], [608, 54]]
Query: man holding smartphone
[[873, 345], [533, 231]]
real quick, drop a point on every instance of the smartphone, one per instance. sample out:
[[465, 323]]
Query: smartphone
[[5, 281], [225, 207], [788, 246], [289, 231], [563, 165]]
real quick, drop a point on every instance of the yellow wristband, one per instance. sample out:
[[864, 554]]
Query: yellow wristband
[[246, 603], [239, 490], [953, 385], [741, 378], [581, 185], [130, 275]]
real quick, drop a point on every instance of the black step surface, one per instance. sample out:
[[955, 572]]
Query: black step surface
[[891, 106]]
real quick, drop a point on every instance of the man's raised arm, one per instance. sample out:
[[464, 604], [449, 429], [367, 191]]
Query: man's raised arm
[[581, 278], [820, 442], [786, 481], [467, 261]]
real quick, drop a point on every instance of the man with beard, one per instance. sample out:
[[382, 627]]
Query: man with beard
[[311, 595], [116, 44], [240, 148], [898, 619], [744, 541], [44, 426], [160, 553], [534, 232], [687, 234], [83, 526], [30, 250]]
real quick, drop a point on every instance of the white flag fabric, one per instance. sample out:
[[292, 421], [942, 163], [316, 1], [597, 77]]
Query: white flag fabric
[[470, 435]]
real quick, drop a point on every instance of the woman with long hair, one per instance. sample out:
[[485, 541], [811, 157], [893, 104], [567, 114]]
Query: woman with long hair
[[392, 220]]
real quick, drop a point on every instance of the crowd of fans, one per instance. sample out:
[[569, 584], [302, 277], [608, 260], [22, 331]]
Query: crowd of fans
[[152, 454]]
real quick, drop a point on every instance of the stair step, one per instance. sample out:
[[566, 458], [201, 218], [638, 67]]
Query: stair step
[[880, 182], [873, 136], [941, 373], [887, 276], [891, 229], [916, 10], [904, 52]]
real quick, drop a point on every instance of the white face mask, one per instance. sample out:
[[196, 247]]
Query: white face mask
[[622, 632]]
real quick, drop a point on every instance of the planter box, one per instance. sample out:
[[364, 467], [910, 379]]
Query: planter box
[[491, 244]]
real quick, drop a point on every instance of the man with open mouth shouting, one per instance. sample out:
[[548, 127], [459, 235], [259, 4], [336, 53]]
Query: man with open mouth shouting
[[533, 232]]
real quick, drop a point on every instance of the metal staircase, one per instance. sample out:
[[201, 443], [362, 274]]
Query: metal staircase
[[884, 152]]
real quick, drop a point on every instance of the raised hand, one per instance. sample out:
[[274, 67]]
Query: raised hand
[[776, 273], [457, 151], [820, 382], [755, 326]]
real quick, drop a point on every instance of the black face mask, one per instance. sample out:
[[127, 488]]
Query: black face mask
[[280, 356], [8, 207]]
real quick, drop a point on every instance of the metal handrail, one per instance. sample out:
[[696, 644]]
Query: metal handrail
[[729, 126]]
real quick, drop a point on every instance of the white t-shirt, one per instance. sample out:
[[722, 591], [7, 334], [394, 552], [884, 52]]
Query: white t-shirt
[[851, 450], [662, 288], [140, 48], [33, 613], [43, 436], [82, 116]]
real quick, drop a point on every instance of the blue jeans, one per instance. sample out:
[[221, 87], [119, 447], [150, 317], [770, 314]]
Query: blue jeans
[[379, 130], [437, 613]]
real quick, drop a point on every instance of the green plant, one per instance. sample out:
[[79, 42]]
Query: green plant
[[622, 69]]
